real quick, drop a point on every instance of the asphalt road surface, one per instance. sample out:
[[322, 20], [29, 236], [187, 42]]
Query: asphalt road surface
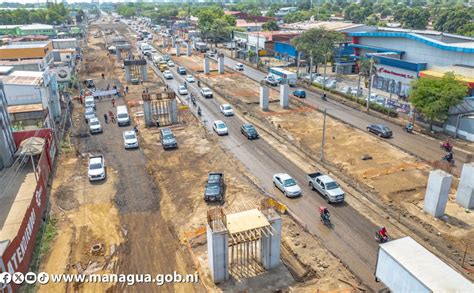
[[424, 147], [351, 238]]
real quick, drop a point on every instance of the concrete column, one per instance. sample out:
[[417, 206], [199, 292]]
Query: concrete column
[[118, 53], [220, 64], [284, 95], [270, 245], [173, 111], [178, 50], [465, 193], [144, 72], [173, 41], [147, 113], [218, 255], [165, 43], [127, 73], [437, 191], [264, 98], [206, 65], [189, 49]]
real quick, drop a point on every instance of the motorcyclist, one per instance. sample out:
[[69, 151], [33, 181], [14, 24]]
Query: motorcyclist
[[409, 127], [135, 128], [448, 157], [447, 145], [199, 111], [382, 234], [324, 212], [324, 97], [185, 85]]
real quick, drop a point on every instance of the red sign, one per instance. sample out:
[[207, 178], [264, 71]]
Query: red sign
[[381, 69]]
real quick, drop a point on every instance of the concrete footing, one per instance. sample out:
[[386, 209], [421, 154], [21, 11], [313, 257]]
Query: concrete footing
[[206, 65], [437, 191], [220, 64], [284, 96], [465, 192], [264, 98]]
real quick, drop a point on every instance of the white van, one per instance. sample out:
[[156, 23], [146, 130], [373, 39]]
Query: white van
[[89, 102], [122, 115]]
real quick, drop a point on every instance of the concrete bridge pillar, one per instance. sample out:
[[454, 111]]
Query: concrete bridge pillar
[[264, 97], [206, 65], [437, 191], [465, 192], [284, 95]]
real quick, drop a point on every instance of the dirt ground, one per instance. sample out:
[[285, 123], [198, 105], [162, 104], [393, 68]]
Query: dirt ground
[[397, 178], [137, 223]]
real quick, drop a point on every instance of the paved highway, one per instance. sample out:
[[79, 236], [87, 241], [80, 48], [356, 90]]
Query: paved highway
[[424, 147], [351, 239]]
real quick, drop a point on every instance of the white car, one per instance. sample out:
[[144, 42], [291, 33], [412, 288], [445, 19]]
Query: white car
[[190, 78], [239, 67], [206, 92], [130, 139], [220, 128], [96, 170], [94, 125], [227, 110], [286, 184], [167, 74], [170, 63], [182, 90]]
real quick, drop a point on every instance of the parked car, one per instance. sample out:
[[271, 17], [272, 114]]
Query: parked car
[[89, 102], [123, 119], [270, 80], [166, 58], [167, 74], [286, 184], [167, 139], [206, 92], [181, 70], [182, 90], [190, 78], [239, 67], [326, 186], [299, 94], [96, 170], [380, 129], [220, 127], [94, 125], [170, 63], [214, 190], [130, 139], [249, 131], [226, 109], [89, 113]]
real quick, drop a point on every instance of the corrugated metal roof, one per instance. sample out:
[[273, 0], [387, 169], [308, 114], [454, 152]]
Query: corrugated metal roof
[[426, 267]]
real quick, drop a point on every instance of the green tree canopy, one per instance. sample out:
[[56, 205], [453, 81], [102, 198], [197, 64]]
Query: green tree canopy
[[318, 43], [416, 18], [434, 96], [270, 26]]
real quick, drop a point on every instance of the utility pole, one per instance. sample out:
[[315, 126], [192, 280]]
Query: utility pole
[[324, 75], [371, 64], [324, 137]]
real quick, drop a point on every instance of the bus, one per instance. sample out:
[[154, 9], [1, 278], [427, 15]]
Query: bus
[[281, 75]]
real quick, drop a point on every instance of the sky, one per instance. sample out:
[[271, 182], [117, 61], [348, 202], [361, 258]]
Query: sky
[[69, 1]]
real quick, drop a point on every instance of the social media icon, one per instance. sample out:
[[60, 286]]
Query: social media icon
[[5, 279], [43, 278], [18, 278], [30, 278]]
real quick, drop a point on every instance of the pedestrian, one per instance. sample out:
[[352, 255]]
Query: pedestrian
[[199, 83], [106, 118], [103, 76], [113, 102], [141, 81], [126, 89]]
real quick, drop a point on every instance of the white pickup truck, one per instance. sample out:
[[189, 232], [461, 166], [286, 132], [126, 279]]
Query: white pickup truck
[[326, 186], [96, 169]]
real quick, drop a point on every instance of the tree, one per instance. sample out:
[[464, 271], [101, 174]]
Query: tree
[[270, 26], [466, 30], [450, 21], [434, 96], [318, 44], [296, 17], [416, 18], [214, 23]]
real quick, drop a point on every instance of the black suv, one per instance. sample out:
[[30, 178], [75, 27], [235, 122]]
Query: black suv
[[249, 131], [167, 139], [214, 190], [182, 70]]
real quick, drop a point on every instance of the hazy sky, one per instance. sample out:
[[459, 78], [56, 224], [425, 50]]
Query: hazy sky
[[70, 1]]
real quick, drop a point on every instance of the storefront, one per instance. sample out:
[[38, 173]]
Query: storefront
[[392, 79]]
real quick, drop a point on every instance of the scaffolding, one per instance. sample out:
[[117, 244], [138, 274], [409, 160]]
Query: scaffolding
[[160, 108]]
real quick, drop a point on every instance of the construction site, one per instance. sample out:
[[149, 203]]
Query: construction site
[[151, 203]]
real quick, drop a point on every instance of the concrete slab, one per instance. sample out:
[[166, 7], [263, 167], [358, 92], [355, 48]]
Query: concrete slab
[[246, 220]]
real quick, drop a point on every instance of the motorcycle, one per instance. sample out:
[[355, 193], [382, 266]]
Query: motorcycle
[[325, 216], [135, 129], [408, 128], [324, 97], [193, 100], [199, 111], [381, 239], [445, 145], [449, 157]]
